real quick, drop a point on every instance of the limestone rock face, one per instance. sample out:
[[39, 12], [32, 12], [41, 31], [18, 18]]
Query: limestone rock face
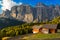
[[13, 15], [38, 13], [14, 12], [56, 11], [20, 9], [50, 12], [28, 9], [28, 18], [20, 17], [6, 14], [41, 12]]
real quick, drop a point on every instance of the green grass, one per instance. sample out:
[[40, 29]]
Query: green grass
[[42, 36], [45, 36], [38, 36]]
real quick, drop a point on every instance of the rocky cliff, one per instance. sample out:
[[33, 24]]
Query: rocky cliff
[[39, 13]]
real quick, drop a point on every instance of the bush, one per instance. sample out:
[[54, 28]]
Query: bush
[[16, 30], [10, 33]]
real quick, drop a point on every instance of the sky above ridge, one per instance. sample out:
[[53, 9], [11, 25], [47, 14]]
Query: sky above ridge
[[30, 2]]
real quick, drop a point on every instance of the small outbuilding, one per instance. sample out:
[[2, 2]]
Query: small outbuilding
[[46, 28]]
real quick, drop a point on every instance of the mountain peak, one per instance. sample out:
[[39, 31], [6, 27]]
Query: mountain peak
[[39, 4]]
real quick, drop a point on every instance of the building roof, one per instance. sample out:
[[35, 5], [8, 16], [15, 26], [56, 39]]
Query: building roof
[[37, 26], [49, 26]]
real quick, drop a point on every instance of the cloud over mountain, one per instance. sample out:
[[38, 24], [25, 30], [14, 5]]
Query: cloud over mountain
[[7, 4]]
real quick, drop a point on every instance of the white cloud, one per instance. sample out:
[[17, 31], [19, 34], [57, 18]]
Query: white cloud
[[0, 2], [7, 4]]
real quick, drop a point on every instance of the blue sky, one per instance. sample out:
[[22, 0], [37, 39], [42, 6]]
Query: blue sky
[[34, 2]]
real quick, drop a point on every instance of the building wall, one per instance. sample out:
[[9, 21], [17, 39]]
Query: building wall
[[52, 31], [45, 30], [40, 30], [35, 30]]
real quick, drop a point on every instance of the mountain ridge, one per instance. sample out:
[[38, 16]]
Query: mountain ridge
[[38, 13]]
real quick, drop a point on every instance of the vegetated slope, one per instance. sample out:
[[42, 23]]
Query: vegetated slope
[[5, 22], [15, 30], [22, 29]]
